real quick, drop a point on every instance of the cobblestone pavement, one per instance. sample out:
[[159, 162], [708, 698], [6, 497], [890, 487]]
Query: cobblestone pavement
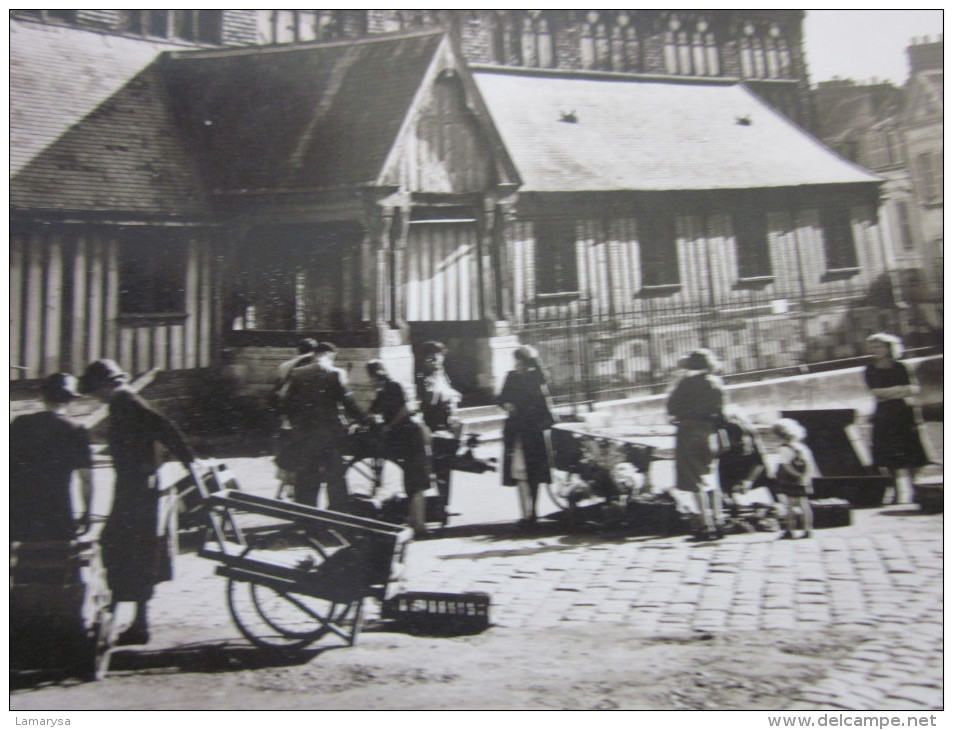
[[884, 579], [880, 577], [878, 582]]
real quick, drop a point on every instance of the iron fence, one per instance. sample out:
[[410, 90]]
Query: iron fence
[[592, 356]]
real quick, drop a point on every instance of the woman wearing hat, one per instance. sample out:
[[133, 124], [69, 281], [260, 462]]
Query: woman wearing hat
[[525, 398], [133, 551], [696, 406], [46, 448], [897, 445]]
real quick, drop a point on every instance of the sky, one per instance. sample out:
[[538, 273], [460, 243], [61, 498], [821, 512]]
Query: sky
[[865, 44]]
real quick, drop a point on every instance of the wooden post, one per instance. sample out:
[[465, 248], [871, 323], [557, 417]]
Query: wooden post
[[53, 306], [192, 304], [503, 291], [399, 225], [375, 268], [110, 295], [486, 305], [78, 312], [33, 321], [17, 275]]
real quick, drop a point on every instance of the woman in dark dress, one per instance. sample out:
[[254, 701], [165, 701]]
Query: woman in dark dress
[[405, 441], [525, 398], [897, 445], [46, 449], [132, 540]]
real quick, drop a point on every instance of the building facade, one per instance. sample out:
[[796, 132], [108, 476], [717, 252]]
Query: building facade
[[227, 182], [897, 132]]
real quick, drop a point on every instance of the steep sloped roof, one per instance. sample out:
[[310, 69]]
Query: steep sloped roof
[[90, 126], [300, 117], [648, 135]]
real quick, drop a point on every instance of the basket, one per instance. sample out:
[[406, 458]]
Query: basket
[[929, 497], [862, 491], [439, 613], [830, 512]]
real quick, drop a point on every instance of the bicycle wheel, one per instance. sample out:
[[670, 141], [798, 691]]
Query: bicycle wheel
[[281, 620], [375, 477]]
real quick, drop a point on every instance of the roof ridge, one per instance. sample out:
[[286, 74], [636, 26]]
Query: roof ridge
[[596, 75], [252, 50]]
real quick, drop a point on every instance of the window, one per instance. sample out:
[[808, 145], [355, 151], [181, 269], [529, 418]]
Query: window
[[608, 43], [204, 26], [903, 218], [152, 269], [764, 52], [690, 48], [555, 257], [506, 38], [63, 16], [536, 40], [289, 26], [751, 245], [658, 252], [930, 172], [838, 239]]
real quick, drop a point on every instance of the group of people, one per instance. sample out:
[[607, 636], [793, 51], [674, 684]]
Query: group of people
[[718, 452], [316, 406], [46, 448], [315, 402]]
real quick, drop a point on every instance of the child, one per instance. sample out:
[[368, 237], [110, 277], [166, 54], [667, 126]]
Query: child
[[794, 476], [741, 465]]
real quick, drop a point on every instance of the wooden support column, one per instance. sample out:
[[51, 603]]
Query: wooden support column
[[53, 306], [485, 274], [399, 226], [503, 293], [110, 294], [17, 334], [78, 308], [376, 269]]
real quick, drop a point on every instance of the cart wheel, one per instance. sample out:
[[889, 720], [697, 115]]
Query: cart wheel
[[558, 489], [278, 620], [374, 477]]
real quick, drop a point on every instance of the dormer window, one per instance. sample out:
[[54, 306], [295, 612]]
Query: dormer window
[[203, 26]]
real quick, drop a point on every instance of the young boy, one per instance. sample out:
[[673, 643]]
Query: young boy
[[794, 477]]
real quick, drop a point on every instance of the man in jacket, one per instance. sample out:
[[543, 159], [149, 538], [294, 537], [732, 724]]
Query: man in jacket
[[316, 399]]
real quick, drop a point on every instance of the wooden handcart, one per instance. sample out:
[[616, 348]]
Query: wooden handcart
[[294, 573]]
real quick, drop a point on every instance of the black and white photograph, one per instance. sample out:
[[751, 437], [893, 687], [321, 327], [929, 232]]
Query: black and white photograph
[[476, 360]]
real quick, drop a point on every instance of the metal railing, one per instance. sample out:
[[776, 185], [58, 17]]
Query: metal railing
[[592, 356]]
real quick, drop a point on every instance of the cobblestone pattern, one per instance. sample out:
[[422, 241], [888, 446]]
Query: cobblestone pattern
[[888, 586], [881, 578]]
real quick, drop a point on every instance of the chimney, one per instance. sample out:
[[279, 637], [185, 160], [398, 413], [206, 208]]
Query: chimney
[[926, 55]]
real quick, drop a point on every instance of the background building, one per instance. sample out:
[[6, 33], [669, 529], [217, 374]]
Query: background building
[[897, 132], [616, 187]]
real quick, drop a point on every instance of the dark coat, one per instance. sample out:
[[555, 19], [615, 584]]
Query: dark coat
[[135, 548], [45, 449], [530, 418]]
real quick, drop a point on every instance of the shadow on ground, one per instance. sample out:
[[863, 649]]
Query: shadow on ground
[[201, 657]]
